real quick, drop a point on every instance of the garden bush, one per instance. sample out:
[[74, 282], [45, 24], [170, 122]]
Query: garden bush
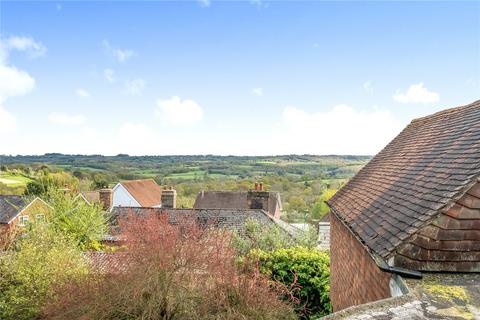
[[308, 270], [172, 272]]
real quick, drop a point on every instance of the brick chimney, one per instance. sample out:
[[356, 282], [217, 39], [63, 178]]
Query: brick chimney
[[169, 198], [258, 198], [105, 196]]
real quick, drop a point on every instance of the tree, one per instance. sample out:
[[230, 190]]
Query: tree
[[84, 223], [41, 260], [320, 208]]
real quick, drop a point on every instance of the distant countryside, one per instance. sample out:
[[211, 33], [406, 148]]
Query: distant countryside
[[304, 181]]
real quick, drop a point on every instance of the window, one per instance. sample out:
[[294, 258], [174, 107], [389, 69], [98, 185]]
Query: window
[[22, 221], [40, 217]]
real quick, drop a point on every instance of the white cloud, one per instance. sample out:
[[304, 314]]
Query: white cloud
[[121, 55], [66, 119], [259, 4], [135, 87], [8, 123], [82, 93], [257, 91], [33, 48], [341, 130], [109, 74], [204, 3], [14, 82], [367, 86], [417, 93], [179, 112]]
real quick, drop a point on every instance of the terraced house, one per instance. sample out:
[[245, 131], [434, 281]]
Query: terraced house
[[412, 212]]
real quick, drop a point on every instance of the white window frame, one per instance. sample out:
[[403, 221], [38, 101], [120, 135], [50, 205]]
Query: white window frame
[[40, 217], [23, 220]]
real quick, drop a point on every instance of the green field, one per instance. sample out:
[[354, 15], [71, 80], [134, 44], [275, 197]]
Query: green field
[[12, 180]]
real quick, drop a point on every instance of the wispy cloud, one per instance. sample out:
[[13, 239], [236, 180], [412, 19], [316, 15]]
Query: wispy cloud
[[260, 4], [204, 3], [82, 93], [257, 91], [32, 48], [121, 55], [66, 119], [367, 86], [109, 74], [417, 93], [135, 87], [180, 112]]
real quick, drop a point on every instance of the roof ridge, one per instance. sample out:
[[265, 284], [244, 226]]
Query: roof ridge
[[445, 111]]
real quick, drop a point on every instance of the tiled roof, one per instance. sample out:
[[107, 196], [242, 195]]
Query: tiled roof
[[233, 200], [107, 262], [428, 166], [10, 207], [146, 191], [221, 218], [91, 196]]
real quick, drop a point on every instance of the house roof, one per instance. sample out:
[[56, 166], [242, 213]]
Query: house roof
[[91, 196], [233, 200], [146, 191], [11, 206], [420, 173], [234, 219]]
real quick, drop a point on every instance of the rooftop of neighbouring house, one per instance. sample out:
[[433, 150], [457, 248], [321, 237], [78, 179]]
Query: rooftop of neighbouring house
[[435, 296], [236, 200], [10, 206], [433, 162], [220, 218], [146, 191]]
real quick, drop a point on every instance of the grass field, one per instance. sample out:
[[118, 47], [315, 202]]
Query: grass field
[[14, 180]]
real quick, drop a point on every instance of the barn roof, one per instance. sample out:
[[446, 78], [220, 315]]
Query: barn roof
[[420, 173]]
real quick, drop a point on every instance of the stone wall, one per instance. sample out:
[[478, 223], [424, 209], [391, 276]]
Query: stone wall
[[355, 278]]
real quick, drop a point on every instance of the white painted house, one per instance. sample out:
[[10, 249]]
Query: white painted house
[[137, 193]]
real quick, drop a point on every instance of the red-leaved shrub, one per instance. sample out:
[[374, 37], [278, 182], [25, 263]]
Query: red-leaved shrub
[[167, 271]]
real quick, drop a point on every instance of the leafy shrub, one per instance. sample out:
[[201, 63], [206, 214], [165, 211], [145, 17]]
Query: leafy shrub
[[257, 236], [172, 272], [307, 268], [41, 260]]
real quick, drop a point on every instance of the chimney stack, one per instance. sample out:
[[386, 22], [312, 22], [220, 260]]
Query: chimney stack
[[169, 198], [105, 197]]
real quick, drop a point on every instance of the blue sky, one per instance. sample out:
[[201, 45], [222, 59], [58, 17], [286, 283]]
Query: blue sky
[[218, 77]]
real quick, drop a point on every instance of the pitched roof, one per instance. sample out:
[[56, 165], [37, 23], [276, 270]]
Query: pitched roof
[[146, 191], [428, 166], [91, 196], [233, 200], [234, 219], [10, 206]]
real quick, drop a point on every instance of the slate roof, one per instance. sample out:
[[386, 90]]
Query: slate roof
[[146, 191], [234, 219], [428, 166], [10, 207], [233, 200]]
